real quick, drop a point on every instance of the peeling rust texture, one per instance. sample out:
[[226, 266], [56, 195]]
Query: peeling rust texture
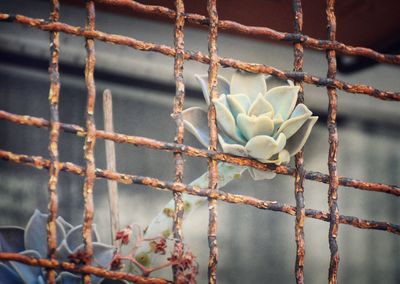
[[177, 115], [177, 187], [54, 125], [81, 269], [195, 152], [212, 125], [41, 163], [90, 140], [333, 144], [268, 33], [299, 158], [202, 58]]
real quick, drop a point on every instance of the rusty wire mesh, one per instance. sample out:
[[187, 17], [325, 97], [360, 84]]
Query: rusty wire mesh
[[90, 172]]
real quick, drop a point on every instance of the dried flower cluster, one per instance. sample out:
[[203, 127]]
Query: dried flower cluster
[[180, 257]]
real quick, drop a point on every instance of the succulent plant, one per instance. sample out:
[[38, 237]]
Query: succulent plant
[[257, 117], [32, 241]]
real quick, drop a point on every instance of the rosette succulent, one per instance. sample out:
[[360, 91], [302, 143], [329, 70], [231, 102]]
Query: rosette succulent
[[257, 117], [32, 241]]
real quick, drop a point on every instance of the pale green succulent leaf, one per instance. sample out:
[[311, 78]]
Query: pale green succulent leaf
[[261, 175], [297, 141], [234, 149], [263, 147], [74, 236], [63, 251], [282, 157], [11, 239], [298, 117], [67, 226], [273, 82], [260, 106], [8, 275], [35, 237], [66, 277], [248, 83], [283, 99], [277, 121], [222, 86], [226, 121], [252, 126], [227, 139], [238, 103], [195, 121], [102, 256], [29, 274]]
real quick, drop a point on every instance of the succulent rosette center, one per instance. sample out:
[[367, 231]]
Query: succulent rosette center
[[257, 117]]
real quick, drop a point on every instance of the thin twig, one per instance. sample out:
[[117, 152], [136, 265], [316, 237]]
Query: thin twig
[[111, 165]]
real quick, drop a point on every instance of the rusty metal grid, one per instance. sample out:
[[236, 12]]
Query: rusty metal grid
[[90, 133]]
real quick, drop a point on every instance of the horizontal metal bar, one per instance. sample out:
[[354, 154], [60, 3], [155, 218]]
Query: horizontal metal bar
[[195, 152], [202, 58], [81, 269], [258, 31], [40, 163]]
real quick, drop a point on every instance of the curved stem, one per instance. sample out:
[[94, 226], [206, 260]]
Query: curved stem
[[161, 225]]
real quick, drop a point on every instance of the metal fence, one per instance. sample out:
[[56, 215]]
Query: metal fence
[[90, 172]]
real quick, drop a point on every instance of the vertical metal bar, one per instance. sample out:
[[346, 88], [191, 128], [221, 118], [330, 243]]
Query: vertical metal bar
[[177, 115], [299, 158], [212, 124], [54, 94], [111, 165], [89, 141], [333, 144]]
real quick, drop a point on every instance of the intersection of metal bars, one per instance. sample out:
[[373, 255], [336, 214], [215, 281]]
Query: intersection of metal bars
[[90, 172]]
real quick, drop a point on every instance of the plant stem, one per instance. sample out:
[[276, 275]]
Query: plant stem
[[161, 225]]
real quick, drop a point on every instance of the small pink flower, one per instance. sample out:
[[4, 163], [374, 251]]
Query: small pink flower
[[124, 235]]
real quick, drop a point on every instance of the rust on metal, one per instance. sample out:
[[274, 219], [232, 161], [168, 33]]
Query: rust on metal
[[333, 144], [299, 158], [90, 140], [90, 134], [81, 269], [259, 31], [54, 126], [177, 115], [195, 152], [202, 58], [212, 125], [41, 163]]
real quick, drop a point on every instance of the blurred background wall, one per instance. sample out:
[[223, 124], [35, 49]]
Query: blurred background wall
[[255, 246]]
